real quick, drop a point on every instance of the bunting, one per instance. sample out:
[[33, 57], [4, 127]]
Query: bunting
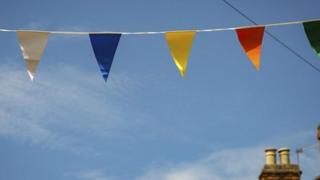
[[180, 44], [105, 44], [251, 42], [312, 30], [104, 47], [32, 45]]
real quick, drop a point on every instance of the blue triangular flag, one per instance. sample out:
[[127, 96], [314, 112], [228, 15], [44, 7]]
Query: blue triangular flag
[[104, 47]]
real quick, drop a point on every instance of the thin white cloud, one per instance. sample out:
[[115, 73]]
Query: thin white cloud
[[42, 112], [226, 164], [232, 164]]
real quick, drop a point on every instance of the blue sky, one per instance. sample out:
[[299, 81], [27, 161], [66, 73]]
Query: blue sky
[[146, 122]]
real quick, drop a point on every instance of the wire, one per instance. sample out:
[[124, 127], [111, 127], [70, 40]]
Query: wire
[[163, 32], [273, 37]]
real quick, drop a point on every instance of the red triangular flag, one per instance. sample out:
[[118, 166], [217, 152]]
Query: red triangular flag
[[251, 42]]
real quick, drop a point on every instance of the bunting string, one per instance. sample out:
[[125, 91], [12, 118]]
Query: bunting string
[[162, 32], [104, 44]]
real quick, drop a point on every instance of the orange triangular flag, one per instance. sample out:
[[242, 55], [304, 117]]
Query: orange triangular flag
[[251, 42]]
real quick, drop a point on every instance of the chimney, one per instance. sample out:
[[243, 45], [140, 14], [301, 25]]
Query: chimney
[[270, 154], [285, 170], [284, 156]]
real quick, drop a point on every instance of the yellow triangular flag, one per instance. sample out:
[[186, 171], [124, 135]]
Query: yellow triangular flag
[[32, 45], [180, 44]]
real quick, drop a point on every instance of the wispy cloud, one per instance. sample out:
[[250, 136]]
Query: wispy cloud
[[244, 163], [56, 114], [232, 164]]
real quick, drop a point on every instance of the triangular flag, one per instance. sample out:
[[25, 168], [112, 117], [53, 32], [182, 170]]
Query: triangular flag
[[104, 47], [312, 30], [251, 42], [32, 45], [180, 44]]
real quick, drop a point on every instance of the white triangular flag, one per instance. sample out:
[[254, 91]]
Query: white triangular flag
[[32, 45]]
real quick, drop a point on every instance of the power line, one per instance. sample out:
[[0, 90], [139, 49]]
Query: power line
[[273, 37]]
